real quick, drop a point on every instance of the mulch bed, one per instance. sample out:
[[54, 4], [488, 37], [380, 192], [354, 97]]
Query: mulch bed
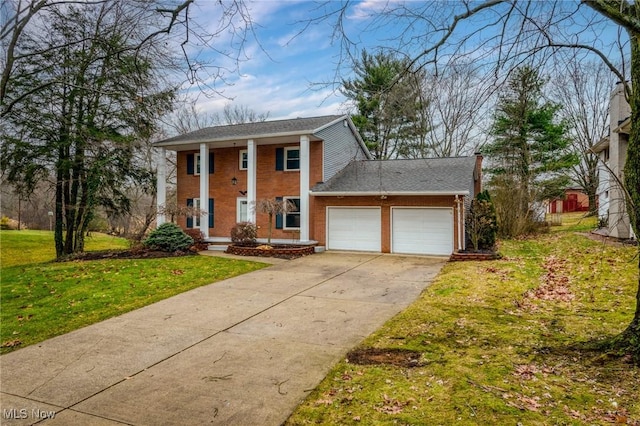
[[281, 251], [126, 254], [375, 356]]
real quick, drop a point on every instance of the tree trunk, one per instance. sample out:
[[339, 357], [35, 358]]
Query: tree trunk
[[631, 336]]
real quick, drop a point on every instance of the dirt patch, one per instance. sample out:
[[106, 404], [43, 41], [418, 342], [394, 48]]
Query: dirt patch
[[373, 356], [126, 254]]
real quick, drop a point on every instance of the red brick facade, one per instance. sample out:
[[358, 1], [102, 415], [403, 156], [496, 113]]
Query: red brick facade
[[269, 184], [319, 223]]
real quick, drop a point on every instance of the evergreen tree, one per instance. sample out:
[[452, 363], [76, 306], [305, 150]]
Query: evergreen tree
[[388, 96], [529, 156], [97, 97]]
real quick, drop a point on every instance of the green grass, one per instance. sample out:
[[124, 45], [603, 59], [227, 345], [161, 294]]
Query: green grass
[[495, 353], [41, 299], [29, 247]]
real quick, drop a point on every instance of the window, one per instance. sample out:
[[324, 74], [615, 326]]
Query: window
[[193, 221], [194, 164], [292, 218], [292, 158], [242, 210], [244, 159], [197, 164]]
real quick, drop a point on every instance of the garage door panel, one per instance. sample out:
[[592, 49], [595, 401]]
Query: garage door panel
[[354, 229], [422, 231]]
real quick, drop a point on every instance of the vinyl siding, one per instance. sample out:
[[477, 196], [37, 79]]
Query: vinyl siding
[[340, 148]]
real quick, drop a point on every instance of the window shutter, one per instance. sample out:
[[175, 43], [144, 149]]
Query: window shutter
[[279, 158], [279, 216], [190, 164], [210, 212], [190, 204], [210, 162]]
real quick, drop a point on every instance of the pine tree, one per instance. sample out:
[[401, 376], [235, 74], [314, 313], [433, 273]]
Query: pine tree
[[529, 156]]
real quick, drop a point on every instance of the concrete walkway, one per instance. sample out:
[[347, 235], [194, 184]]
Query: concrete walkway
[[244, 351]]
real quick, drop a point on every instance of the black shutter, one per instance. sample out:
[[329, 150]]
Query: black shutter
[[210, 162], [279, 216], [190, 164], [210, 212], [279, 158], [190, 204]]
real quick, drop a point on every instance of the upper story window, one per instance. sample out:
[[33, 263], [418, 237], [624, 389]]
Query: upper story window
[[244, 159], [196, 160], [292, 158]]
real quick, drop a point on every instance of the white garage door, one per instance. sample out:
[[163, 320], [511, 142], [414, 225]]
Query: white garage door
[[354, 228], [422, 230]]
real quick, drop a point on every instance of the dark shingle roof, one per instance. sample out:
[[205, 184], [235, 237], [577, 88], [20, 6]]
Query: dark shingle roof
[[428, 175], [253, 130]]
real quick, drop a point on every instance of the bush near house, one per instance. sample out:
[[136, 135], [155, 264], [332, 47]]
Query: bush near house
[[168, 237], [244, 233]]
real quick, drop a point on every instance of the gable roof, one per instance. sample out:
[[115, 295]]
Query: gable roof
[[263, 129], [426, 176]]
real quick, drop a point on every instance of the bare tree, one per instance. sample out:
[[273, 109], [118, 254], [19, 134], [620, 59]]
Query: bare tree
[[505, 34], [457, 108], [583, 90]]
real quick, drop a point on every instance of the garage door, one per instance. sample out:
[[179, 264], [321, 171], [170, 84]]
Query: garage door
[[353, 228], [422, 231]]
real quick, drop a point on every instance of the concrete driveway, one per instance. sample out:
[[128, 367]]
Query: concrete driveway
[[243, 351]]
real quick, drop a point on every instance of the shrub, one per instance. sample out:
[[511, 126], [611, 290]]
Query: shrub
[[244, 233], [481, 224], [168, 237], [198, 239]]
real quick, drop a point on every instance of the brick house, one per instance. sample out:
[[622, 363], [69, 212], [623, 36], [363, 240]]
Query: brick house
[[344, 200]]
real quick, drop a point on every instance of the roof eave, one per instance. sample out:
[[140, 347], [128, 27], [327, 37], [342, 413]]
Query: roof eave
[[386, 193], [229, 139]]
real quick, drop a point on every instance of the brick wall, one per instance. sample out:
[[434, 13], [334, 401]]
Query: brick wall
[[270, 184], [318, 226]]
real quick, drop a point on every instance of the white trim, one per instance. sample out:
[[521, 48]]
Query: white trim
[[196, 164], [287, 149], [239, 201], [379, 194], [204, 188], [196, 220], [251, 180], [305, 173], [161, 185], [240, 159]]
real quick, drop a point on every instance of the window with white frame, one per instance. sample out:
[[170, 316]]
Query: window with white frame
[[292, 158], [196, 164], [292, 217], [244, 159], [196, 218]]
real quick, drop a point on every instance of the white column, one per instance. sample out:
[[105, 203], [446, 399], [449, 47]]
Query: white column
[[304, 188], [204, 189], [251, 180], [161, 186]]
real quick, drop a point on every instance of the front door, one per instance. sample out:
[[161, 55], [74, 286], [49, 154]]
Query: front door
[[242, 209]]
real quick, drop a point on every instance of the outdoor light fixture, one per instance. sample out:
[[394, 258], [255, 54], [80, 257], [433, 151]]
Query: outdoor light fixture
[[234, 181]]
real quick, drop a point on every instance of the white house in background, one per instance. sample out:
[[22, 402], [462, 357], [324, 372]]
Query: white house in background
[[612, 151]]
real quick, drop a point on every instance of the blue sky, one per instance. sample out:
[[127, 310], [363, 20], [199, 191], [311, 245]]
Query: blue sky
[[282, 75]]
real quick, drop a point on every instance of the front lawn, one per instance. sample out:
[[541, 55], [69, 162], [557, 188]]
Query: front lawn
[[512, 341], [42, 299]]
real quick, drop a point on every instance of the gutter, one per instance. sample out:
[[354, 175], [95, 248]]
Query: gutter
[[384, 193]]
